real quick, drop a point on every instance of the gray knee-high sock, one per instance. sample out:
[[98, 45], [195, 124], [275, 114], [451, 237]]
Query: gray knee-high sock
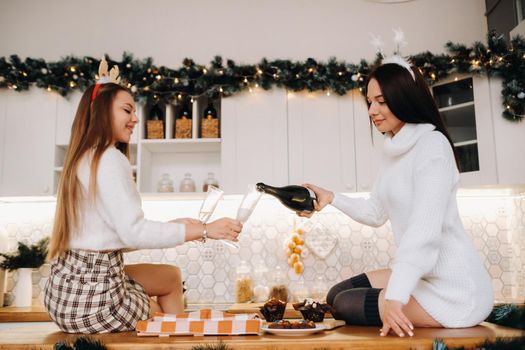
[[359, 281], [358, 306]]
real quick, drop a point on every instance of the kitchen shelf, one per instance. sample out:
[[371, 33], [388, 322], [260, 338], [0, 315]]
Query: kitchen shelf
[[181, 145]]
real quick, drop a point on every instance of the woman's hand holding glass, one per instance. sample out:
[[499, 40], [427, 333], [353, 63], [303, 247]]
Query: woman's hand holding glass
[[323, 198], [224, 228]]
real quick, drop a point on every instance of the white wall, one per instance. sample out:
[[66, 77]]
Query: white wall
[[243, 30]]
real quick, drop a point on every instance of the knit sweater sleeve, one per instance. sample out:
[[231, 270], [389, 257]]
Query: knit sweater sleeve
[[365, 211], [419, 247], [120, 205]]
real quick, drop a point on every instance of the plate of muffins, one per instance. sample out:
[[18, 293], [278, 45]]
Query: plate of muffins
[[312, 311]]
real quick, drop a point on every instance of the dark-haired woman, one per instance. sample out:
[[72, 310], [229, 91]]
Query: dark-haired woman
[[436, 278]]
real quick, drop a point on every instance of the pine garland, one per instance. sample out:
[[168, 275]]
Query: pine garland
[[498, 344], [153, 83], [32, 256], [508, 315], [81, 343]]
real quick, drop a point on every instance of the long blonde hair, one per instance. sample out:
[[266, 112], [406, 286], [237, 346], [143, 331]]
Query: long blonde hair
[[92, 130]]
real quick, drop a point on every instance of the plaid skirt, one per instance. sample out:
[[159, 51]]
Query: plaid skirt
[[89, 292]]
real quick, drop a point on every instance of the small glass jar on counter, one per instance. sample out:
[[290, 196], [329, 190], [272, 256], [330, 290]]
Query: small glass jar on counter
[[260, 289], [243, 284], [210, 181], [165, 184], [278, 289], [187, 184]]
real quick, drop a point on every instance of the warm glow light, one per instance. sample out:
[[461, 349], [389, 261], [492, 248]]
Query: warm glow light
[[204, 70], [158, 77], [328, 93], [220, 89], [176, 80], [73, 69], [245, 80]]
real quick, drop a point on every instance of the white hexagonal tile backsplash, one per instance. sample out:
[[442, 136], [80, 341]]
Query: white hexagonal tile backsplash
[[496, 225]]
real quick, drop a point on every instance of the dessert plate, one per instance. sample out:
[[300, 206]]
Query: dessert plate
[[294, 332]]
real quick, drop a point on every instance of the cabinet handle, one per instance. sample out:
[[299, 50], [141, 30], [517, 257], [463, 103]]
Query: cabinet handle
[[365, 187], [349, 186], [46, 189]]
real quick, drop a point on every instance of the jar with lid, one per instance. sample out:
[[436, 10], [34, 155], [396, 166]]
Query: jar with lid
[[279, 289], [210, 181], [300, 291], [165, 184], [319, 289], [243, 284], [187, 184], [260, 289]]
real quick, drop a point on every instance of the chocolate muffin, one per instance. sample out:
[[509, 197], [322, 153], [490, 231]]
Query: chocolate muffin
[[273, 310], [312, 310]]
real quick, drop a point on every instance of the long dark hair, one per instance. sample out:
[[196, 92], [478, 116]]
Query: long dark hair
[[410, 101]]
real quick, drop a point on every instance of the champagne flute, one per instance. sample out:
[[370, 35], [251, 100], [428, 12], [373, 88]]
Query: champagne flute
[[213, 196], [248, 203]]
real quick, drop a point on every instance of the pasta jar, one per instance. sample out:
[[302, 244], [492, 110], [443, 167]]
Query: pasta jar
[[243, 284]]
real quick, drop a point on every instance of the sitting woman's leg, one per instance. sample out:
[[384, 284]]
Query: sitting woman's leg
[[161, 281], [358, 306], [358, 281], [364, 306]]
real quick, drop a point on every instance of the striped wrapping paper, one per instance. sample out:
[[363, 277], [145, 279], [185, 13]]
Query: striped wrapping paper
[[201, 322]]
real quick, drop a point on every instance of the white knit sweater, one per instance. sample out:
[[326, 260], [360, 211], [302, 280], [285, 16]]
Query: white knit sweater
[[435, 261], [116, 220]]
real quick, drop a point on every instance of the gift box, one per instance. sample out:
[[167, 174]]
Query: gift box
[[201, 322]]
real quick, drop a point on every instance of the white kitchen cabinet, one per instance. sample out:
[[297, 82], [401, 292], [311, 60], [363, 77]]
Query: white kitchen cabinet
[[254, 139], [465, 104], [3, 107], [509, 138], [321, 140], [368, 145], [28, 142]]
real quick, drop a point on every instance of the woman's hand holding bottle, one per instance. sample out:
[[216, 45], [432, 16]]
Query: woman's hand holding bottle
[[323, 198]]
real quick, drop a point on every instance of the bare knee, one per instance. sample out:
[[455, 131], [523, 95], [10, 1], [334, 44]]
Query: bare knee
[[174, 276]]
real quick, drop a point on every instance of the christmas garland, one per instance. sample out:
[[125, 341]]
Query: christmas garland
[[152, 84]]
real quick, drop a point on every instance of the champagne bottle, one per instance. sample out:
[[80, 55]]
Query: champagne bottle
[[296, 198]]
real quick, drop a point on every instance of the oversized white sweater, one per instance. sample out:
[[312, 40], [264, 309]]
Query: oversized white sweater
[[435, 261], [116, 220]]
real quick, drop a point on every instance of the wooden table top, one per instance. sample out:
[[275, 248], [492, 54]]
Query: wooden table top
[[356, 338]]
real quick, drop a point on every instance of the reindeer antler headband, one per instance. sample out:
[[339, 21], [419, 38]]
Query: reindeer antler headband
[[396, 58], [105, 77]]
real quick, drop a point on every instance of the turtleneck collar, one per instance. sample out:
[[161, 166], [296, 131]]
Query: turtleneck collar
[[405, 139]]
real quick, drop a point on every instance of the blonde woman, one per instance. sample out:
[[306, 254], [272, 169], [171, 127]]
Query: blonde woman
[[99, 215]]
